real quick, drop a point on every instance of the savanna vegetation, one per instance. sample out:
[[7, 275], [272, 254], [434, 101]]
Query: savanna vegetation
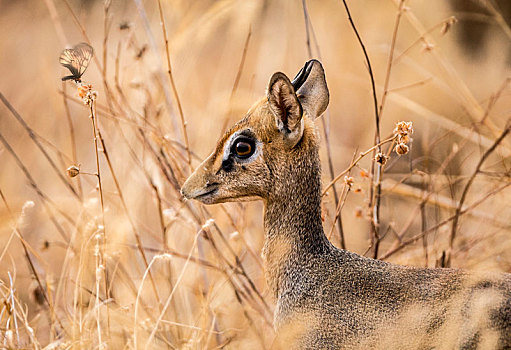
[[98, 249]]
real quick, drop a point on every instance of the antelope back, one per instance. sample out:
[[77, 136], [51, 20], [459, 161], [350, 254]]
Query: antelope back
[[251, 157]]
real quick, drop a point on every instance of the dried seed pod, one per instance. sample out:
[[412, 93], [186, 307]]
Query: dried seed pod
[[87, 94], [73, 171], [381, 158], [403, 139], [401, 149], [348, 180], [403, 129]]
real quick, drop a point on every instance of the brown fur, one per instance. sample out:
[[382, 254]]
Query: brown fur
[[327, 298]]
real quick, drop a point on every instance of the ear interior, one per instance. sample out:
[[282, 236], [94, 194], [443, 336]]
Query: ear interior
[[311, 88], [284, 104]]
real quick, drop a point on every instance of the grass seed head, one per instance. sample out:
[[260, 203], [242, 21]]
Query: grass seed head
[[9, 339], [448, 25]]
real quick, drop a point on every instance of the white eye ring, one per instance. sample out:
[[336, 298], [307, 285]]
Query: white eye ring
[[230, 151]]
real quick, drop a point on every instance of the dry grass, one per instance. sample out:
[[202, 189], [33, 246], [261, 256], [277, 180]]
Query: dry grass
[[121, 261]]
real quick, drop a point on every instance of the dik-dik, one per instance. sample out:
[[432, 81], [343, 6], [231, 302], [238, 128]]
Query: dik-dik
[[328, 298]]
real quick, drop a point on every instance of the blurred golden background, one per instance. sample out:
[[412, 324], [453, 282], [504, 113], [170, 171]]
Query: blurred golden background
[[153, 271]]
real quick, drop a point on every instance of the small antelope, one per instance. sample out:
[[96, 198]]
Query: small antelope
[[328, 298]]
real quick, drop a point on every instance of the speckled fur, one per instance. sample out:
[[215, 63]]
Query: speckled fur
[[327, 298]]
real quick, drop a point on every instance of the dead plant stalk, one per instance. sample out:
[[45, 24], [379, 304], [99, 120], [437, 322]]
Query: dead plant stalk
[[355, 162], [376, 168], [324, 123], [100, 261], [483, 158], [174, 89]]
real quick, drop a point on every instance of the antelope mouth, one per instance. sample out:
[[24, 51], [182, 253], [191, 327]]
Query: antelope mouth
[[207, 192]]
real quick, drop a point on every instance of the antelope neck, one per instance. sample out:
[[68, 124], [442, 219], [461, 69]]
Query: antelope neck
[[293, 211]]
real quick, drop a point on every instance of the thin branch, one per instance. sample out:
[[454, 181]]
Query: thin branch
[[377, 168], [240, 67], [100, 259], [326, 131], [414, 238], [125, 207], [471, 180], [71, 135], [33, 136], [174, 89], [369, 67], [375, 192], [307, 34], [45, 199], [355, 162]]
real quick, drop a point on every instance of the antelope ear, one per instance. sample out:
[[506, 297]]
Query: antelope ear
[[286, 107], [310, 86]]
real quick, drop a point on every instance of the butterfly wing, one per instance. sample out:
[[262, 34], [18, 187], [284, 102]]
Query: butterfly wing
[[76, 60], [84, 52], [69, 60]]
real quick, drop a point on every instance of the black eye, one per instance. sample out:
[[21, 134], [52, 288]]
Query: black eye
[[243, 148]]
